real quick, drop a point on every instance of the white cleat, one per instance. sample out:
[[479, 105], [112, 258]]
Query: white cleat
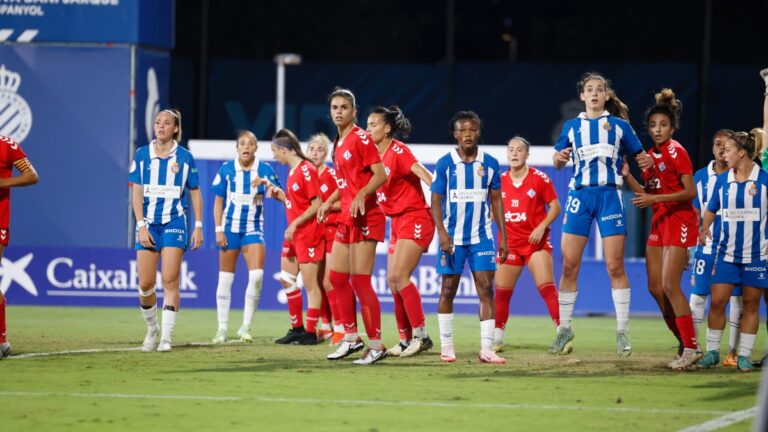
[[371, 356], [345, 348], [150, 340], [164, 346], [5, 350], [245, 333], [221, 336]]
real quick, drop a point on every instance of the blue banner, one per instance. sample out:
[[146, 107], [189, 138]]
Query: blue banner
[[153, 74]]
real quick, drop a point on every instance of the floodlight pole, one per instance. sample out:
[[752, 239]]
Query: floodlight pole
[[281, 60]]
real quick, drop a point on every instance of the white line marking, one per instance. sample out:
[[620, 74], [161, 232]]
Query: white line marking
[[724, 421], [5, 34], [132, 293], [108, 350], [308, 401], [28, 35]]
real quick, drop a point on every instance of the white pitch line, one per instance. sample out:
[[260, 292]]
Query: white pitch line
[[108, 350], [418, 404], [724, 421]]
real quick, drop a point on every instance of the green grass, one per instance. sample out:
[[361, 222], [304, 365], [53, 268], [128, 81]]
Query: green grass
[[294, 388]]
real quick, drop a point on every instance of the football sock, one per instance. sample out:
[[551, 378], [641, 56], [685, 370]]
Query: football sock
[[313, 314], [566, 301], [685, 326], [370, 307], [698, 303], [445, 323], [345, 301], [621, 304], [412, 302], [3, 328], [502, 299], [223, 298], [734, 318], [486, 333], [548, 292], [150, 316], [169, 322], [401, 318], [713, 339], [747, 342], [252, 294]]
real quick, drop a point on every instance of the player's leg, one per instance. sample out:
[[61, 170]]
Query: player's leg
[[289, 271], [345, 297], [675, 259], [325, 330], [484, 286], [227, 261], [362, 258], [405, 259], [721, 293], [146, 267], [541, 266], [170, 268], [448, 288], [254, 255], [572, 247], [735, 311], [338, 327], [750, 321], [310, 274], [5, 346], [613, 247], [702, 270], [404, 329], [654, 262], [506, 280]]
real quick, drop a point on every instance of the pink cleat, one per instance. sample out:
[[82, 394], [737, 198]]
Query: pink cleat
[[447, 354], [488, 356]]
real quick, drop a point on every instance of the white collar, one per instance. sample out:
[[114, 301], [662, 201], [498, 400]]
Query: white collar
[[239, 167], [456, 158], [752, 175], [153, 153], [583, 115]]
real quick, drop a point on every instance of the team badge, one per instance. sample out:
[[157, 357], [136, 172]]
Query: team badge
[[175, 168], [607, 126], [386, 170], [347, 155], [295, 187], [531, 193], [752, 189], [17, 117], [323, 188], [662, 167], [481, 171]]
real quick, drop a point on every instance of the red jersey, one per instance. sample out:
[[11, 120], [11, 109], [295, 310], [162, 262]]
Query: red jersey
[[328, 186], [10, 152], [301, 187], [525, 207], [670, 163], [353, 158], [402, 191]]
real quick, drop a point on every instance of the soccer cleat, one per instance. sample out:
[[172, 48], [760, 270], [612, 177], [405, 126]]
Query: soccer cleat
[[498, 346], [345, 348], [292, 336], [307, 338], [688, 359], [731, 360], [150, 340], [744, 364], [221, 336], [164, 346], [416, 346], [710, 359], [562, 343], [671, 364], [244, 333], [324, 335], [623, 347], [336, 338], [488, 356], [371, 356], [447, 354], [396, 350], [5, 350]]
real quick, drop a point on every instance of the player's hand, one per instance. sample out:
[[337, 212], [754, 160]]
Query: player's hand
[[322, 212], [764, 75], [644, 160], [258, 181], [145, 238], [446, 243], [503, 252], [358, 205], [643, 200], [625, 168], [564, 155], [258, 200], [536, 235], [703, 236], [197, 238], [221, 240], [289, 231]]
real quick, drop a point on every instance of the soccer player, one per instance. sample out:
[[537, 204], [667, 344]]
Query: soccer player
[[412, 229], [242, 229], [595, 141], [704, 257], [163, 173], [464, 180], [361, 225], [669, 190], [741, 195], [530, 206], [11, 155], [304, 236]]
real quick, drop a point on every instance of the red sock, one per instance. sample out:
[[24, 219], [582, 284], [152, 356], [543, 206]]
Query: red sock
[[369, 305], [549, 293], [401, 317], [345, 300], [672, 325], [412, 301], [312, 315], [501, 299], [687, 333], [295, 306], [2, 319], [333, 304], [325, 308]]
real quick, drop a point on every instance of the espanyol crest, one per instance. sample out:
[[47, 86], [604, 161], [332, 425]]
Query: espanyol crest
[[16, 117]]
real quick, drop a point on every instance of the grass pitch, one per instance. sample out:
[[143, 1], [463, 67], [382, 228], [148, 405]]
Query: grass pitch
[[263, 386]]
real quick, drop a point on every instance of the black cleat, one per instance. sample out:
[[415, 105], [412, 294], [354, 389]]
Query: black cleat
[[292, 336]]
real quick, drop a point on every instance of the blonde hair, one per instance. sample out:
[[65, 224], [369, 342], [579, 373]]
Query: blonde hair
[[319, 138], [751, 141]]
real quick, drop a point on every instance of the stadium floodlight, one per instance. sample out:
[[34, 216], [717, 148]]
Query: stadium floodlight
[[281, 60]]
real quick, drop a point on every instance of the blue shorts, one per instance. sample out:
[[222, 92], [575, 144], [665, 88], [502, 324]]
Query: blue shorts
[[702, 275], [752, 275], [481, 257], [603, 203], [237, 240], [171, 234]]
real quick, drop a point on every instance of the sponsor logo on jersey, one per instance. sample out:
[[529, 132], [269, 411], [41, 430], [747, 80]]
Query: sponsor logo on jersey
[[611, 217], [14, 108], [487, 253]]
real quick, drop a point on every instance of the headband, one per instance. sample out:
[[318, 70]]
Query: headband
[[171, 113], [283, 142]]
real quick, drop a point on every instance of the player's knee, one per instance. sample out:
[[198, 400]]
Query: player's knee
[[615, 268], [751, 306], [147, 292], [170, 284], [397, 280], [289, 281], [146, 285], [570, 268], [717, 304]]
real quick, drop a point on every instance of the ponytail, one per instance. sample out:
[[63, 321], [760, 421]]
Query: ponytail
[[399, 125], [667, 104], [286, 139]]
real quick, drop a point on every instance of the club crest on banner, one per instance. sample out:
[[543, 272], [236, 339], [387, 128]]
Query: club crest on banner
[[16, 121]]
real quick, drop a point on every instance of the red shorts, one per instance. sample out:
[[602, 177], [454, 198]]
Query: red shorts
[[303, 252], [330, 236], [520, 256], [5, 235], [673, 232], [413, 225], [370, 226]]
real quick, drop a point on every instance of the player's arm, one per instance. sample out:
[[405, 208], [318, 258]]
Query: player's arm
[[137, 200], [446, 242], [308, 214], [686, 194], [553, 211], [27, 175], [357, 207], [764, 74], [561, 158], [497, 210], [330, 205], [196, 198], [704, 233], [218, 216], [632, 182], [422, 173]]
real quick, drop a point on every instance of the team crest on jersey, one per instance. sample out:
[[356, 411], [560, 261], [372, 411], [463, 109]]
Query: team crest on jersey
[[607, 126], [662, 167], [295, 187], [481, 171], [347, 155], [175, 168], [386, 170], [752, 189], [323, 188], [13, 107], [531, 193]]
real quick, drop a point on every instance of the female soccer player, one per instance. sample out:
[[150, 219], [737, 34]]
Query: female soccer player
[[669, 191], [464, 179], [162, 173], [412, 229], [741, 195], [304, 236], [361, 225], [595, 141], [242, 229], [530, 206], [11, 155]]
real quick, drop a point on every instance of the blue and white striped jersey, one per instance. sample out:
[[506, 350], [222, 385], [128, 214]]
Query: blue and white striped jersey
[[743, 210], [705, 179], [598, 147], [233, 183], [165, 181], [464, 187]]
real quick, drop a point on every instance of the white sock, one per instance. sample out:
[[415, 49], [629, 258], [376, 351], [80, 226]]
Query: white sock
[[734, 318], [621, 304], [325, 327], [150, 316], [420, 332], [747, 342], [567, 300], [223, 298], [498, 335], [338, 328], [252, 294], [486, 333], [713, 339], [698, 303], [445, 322], [169, 322]]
